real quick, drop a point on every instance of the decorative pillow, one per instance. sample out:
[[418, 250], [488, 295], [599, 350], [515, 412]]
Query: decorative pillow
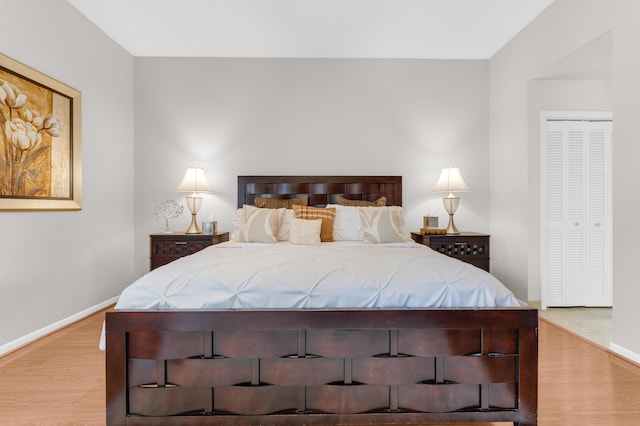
[[278, 203], [382, 225], [382, 201], [283, 230], [326, 214], [285, 224], [260, 225], [305, 232], [236, 224], [347, 225]]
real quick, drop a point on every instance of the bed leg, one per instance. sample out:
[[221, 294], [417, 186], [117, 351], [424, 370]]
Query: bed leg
[[528, 389], [116, 398]]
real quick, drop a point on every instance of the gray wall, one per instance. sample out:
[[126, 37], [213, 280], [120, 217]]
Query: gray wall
[[252, 116], [309, 116], [536, 52], [626, 173], [553, 95], [572, 42], [56, 264]]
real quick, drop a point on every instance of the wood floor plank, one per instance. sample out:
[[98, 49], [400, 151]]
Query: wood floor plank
[[42, 385], [580, 384]]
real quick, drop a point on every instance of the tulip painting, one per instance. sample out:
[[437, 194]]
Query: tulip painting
[[27, 141], [36, 138]]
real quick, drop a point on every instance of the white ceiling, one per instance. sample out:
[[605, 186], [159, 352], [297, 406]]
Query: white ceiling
[[435, 29]]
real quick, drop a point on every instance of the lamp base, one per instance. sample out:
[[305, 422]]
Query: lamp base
[[193, 228], [194, 204], [451, 205], [451, 227]]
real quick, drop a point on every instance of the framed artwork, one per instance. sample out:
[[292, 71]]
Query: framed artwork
[[40, 141]]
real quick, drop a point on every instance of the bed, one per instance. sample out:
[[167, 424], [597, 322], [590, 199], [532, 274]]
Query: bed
[[301, 358]]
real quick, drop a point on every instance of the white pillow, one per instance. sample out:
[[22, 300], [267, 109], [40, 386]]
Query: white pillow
[[305, 232], [383, 225], [260, 225], [347, 225]]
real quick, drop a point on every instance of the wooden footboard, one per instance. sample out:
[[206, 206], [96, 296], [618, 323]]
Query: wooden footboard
[[298, 367]]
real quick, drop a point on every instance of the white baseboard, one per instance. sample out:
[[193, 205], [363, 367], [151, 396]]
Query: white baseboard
[[15, 344], [625, 352]]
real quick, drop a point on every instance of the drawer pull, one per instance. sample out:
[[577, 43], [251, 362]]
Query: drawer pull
[[181, 243]]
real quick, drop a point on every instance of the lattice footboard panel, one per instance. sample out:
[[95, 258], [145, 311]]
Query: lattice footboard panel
[[251, 373]]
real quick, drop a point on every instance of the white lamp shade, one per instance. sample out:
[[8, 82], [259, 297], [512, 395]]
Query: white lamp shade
[[451, 181], [194, 181]]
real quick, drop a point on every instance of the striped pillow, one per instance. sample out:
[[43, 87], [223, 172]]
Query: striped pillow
[[328, 215]]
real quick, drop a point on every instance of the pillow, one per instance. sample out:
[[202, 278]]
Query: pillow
[[327, 215], [278, 203], [347, 225], [382, 201], [305, 232], [260, 225], [283, 230], [382, 225], [236, 224], [285, 224]]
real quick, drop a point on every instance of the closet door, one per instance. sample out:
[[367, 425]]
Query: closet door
[[576, 212], [598, 225]]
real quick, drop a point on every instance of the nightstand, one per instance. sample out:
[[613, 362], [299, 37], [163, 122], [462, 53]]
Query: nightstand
[[166, 248], [470, 247]]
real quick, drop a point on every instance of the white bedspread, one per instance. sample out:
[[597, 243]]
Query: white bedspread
[[344, 274], [338, 275]]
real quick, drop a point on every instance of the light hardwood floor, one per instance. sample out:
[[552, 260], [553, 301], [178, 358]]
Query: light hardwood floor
[[593, 324], [579, 383]]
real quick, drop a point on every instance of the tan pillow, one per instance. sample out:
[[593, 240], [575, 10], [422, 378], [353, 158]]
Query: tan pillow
[[328, 215], [278, 203], [382, 225], [380, 202], [260, 225], [305, 232]]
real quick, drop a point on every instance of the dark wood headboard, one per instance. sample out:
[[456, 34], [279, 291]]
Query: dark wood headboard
[[321, 190]]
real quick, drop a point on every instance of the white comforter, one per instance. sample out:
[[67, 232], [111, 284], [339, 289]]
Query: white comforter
[[335, 275], [344, 274]]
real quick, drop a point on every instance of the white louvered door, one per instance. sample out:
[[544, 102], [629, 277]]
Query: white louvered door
[[576, 211]]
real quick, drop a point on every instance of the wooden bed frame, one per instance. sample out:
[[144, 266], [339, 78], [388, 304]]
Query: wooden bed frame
[[322, 366]]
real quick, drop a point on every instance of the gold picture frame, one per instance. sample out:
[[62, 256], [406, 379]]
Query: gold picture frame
[[40, 141]]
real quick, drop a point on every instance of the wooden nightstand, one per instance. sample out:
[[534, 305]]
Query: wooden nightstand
[[470, 247], [169, 247]]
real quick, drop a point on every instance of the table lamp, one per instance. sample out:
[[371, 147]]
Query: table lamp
[[194, 181], [451, 181]]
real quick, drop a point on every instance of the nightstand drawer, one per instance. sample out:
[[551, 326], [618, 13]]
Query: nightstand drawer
[[166, 248], [470, 247], [170, 248], [461, 248]]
